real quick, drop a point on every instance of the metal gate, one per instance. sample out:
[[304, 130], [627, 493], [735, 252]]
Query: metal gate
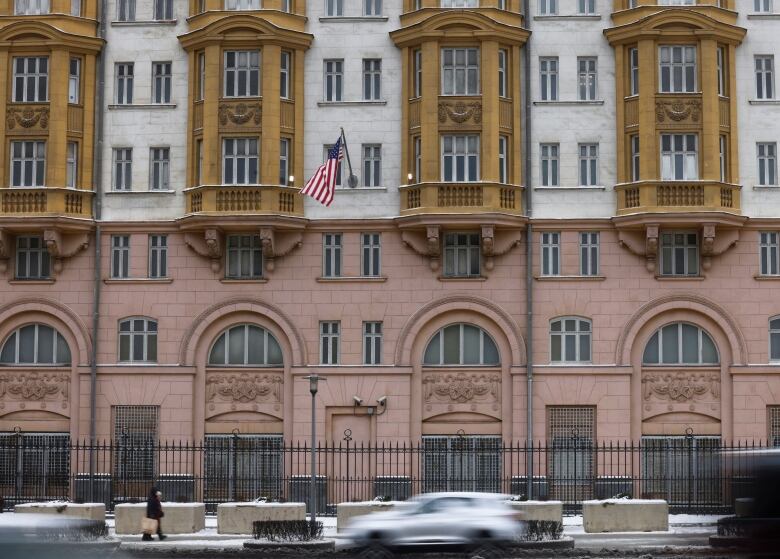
[[462, 463], [34, 466]]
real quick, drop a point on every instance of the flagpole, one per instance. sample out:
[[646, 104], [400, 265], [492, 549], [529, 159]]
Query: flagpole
[[352, 180]]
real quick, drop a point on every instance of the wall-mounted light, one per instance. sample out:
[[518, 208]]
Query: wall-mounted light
[[409, 178], [291, 179]]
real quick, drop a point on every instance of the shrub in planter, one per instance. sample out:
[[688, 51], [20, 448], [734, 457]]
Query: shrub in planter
[[286, 530], [543, 530]]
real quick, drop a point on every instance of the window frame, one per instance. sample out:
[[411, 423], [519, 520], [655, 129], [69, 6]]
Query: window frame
[[673, 248], [56, 339], [148, 335], [767, 163], [236, 255], [372, 79], [683, 66], [36, 165], [372, 8], [590, 253], [769, 253], [163, 8], [372, 165], [334, 8], [586, 7], [285, 73], [455, 253], [125, 10], [587, 78], [31, 7], [285, 160], [332, 255], [765, 77], [636, 157], [578, 334], [124, 78], [481, 361], [74, 81], [372, 342], [548, 7], [549, 79], [503, 159], [449, 72], [550, 164], [774, 339], [333, 80], [122, 166], [684, 156], [71, 164], [468, 157], [30, 80], [701, 332], [159, 168], [39, 252], [268, 339], [158, 256], [162, 82], [588, 160], [633, 71], [120, 257], [503, 73], [550, 251], [330, 342], [250, 72], [250, 159], [242, 5], [371, 255]]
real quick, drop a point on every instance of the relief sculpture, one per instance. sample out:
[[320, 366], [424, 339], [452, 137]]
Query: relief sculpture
[[30, 387], [681, 387], [462, 388], [244, 388]]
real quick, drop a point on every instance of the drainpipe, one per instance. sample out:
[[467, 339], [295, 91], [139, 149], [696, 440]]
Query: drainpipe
[[529, 256], [97, 170]]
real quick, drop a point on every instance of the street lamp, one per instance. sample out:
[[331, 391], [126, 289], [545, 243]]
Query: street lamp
[[313, 379]]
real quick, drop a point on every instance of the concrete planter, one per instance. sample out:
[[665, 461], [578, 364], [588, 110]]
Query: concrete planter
[[539, 510], [180, 518], [237, 518], [89, 511], [346, 511], [625, 515]]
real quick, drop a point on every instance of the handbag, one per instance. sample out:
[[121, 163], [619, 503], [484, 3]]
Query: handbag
[[149, 525]]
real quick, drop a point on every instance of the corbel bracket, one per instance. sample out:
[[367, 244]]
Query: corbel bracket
[[497, 243], [715, 242], [425, 243], [276, 244], [5, 250], [209, 244], [61, 246], [642, 243]]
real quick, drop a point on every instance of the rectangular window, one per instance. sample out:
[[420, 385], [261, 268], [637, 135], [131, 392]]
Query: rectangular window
[[125, 10], [284, 161], [586, 7], [136, 434], [679, 254], [634, 157], [769, 253], [461, 255], [138, 340], [460, 158], [549, 164], [329, 343], [459, 3], [31, 79], [199, 162], [551, 254], [163, 10], [571, 434], [242, 73], [503, 159], [287, 6], [372, 7], [679, 157], [242, 4], [75, 8], [334, 8], [417, 159], [773, 429], [461, 463], [159, 168], [244, 257], [586, 78], [161, 82], [548, 7], [285, 70], [589, 164], [123, 83], [372, 343], [570, 340], [31, 7], [678, 69], [240, 161], [74, 81], [589, 254], [371, 255], [331, 255], [372, 165], [372, 79], [767, 163], [765, 77], [158, 256], [72, 165], [28, 163], [548, 78], [201, 87], [120, 256], [723, 157], [633, 63], [762, 6], [720, 62], [460, 71], [334, 79], [32, 259], [418, 73], [503, 57], [123, 168]]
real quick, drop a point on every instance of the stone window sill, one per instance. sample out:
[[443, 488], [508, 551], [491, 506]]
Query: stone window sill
[[350, 103], [574, 103], [680, 278], [31, 281], [759, 277], [362, 189], [568, 17], [462, 278], [253, 280], [763, 16], [570, 278], [351, 19], [766, 187], [137, 281], [353, 279], [143, 22], [570, 188], [141, 106], [764, 101], [116, 192]]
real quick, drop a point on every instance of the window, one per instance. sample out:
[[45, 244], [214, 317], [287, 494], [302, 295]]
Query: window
[[72, 165], [635, 157], [244, 257], [120, 256], [331, 255], [633, 62], [679, 254], [571, 434], [31, 7], [372, 343], [74, 79], [418, 73], [136, 432], [125, 10], [458, 3], [138, 340], [680, 344], [767, 163], [678, 69], [334, 79], [159, 169], [32, 259], [284, 161], [124, 83], [287, 6], [549, 164], [35, 344], [246, 345], [503, 156], [548, 7], [589, 254], [163, 9], [31, 79], [679, 157], [161, 82], [460, 71], [548, 78], [765, 80], [502, 73], [460, 463], [372, 76], [28, 163], [586, 7], [75, 8], [461, 255], [762, 6], [773, 429], [769, 253], [461, 344], [551, 254], [158, 256], [242, 4], [372, 165], [372, 7], [774, 342], [242, 73], [723, 157], [586, 79], [676, 2], [589, 164], [329, 343], [371, 254], [460, 158], [418, 159], [199, 160], [334, 8], [123, 168], [201, 86], [570, 339], [240, 161], [721, 74], [284, 75]]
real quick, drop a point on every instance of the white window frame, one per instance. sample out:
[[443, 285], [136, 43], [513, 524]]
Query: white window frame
[[683, 245], [586, 7], [636, 159], [333, 82], [13, 347], [485, 339], [417, 159], [122, 169], [371, 255], [763, 7], [577, 329], [162, 82], [163, 10], [588, 167], [766, 155], [27, 82], [243, 257], [74, 81], [503, 159], [462, 255], [769, 253], [72, 165], [285, 160], [148, 334], [244, 153], [285, 71], [678, 161], [32, 7], [372, 343], [201, 89], [272, 356], [245, 65], [418, 72], [587, 78], [120, 256], [31, 168], [551, 253], [765, 76], [548, 7], [460, 150], [774, 341], [125, 10], [158, 256], [680, 361], [549, 164], [458, 3], [720, 67], [32, 249], [548, 78], [372, 165], [334, 8], [589, 253], [633, 70], [159, 168], [503, 76], [124, 73], [372, 8], [240, 5], [684, 69], [453, 71], [75, 8], [332, 255], [330, 342], [372, 79]]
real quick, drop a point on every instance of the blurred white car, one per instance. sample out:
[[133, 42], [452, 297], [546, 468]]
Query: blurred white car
[[441, 519]]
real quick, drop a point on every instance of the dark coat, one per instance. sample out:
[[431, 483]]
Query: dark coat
[[153, 506]]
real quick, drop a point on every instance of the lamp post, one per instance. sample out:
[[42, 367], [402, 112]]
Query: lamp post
[[313, 379]]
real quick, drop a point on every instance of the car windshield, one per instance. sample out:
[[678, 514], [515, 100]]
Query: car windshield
[[445, 504]]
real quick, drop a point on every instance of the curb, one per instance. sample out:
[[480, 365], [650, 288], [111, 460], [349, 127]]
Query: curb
[[566, 542], [329, 545]]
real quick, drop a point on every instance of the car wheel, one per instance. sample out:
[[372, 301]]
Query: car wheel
[[376, 551]]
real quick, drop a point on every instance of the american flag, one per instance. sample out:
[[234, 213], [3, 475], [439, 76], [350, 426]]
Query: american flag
[[323, 183]]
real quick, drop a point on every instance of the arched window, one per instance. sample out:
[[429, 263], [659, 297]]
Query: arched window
[[570, 339], [35, 344], [774, 339], [680, 344], [246, 345], [461, 344], [138, 340]]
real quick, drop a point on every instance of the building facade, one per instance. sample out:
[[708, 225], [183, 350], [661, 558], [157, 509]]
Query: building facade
[[154, 244]]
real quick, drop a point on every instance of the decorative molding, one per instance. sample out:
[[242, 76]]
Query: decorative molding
[[460, 112], [5, 250], [497, 243], [244, 388], [425, 243], [651, 246], [678, 110], [239, 114], [680, 387], [715, 242], [277, 244], [461, 388], [27, 117], [209, 244], [35, 387], [62, 246]]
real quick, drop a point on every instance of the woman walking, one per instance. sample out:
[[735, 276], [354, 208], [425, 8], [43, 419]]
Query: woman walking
[[154, 513]]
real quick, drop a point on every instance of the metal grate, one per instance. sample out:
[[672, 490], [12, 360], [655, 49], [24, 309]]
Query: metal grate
[[33, 465], [136, 435], [461, 463], [774, 425], [680, 469], [571, 434]]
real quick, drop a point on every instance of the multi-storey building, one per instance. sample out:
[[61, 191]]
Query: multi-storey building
[[164, 277]]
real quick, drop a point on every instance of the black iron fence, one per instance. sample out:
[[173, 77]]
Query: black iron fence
[[694, 474]]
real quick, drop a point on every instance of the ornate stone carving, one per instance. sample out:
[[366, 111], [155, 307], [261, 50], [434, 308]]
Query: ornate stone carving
[[244, 388], [34, 387], [209, 243], [425, 244], [5, 250], [27, 117], [277, 244], [681, 387], [461, 388], [678, 110], [460, 112], [497, 243], [239, 114]]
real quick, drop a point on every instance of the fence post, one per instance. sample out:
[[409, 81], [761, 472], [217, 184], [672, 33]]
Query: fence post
[[234, 468], [689, 440]]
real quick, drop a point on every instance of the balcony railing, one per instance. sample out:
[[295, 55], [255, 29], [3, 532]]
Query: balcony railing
[[31, 202], [463, 198], [243, 199], [678, 196]]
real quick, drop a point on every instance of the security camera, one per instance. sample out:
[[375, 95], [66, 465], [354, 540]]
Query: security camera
[[382, 400], [358, 400]]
